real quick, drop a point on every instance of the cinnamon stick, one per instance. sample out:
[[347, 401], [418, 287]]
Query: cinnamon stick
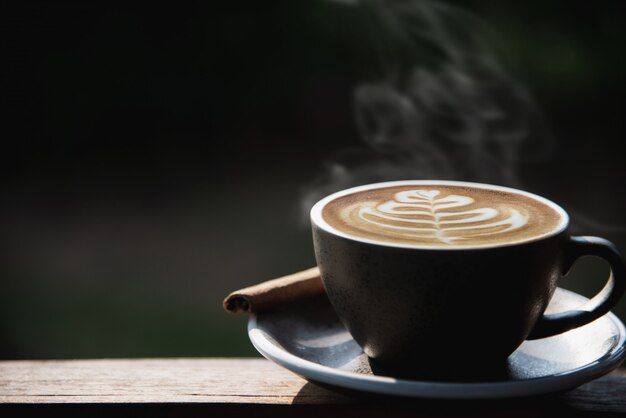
[[273, 293]]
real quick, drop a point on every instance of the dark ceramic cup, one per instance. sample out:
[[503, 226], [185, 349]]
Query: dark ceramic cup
[[415, 307]]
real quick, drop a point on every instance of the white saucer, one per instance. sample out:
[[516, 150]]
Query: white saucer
[[309, 340]]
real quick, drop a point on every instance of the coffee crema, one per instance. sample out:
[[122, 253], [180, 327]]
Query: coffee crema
[[441, 215]]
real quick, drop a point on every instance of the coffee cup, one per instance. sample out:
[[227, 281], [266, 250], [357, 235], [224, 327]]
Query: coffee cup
[[424, 272]]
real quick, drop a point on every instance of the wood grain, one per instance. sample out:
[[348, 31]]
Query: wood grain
[[146, 380], [241, 382]]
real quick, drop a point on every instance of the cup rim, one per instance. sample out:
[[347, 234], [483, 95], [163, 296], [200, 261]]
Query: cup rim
[[318, 220]]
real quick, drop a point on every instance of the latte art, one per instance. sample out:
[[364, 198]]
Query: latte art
[[420, 214], [448, 214]]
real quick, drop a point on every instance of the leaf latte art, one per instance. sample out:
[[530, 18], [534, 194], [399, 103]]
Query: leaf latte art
[[421, 214], [442, 215]]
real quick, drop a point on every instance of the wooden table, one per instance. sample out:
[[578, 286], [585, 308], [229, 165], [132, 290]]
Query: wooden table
[[250, 387]]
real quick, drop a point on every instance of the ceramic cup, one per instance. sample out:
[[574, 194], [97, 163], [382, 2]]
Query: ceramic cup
[[416, 306]]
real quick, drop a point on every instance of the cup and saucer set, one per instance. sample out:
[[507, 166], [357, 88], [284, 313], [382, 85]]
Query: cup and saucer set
[[455, 279]]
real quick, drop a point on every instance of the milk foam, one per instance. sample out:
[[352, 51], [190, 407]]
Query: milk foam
[[439, 214], [423, 209]]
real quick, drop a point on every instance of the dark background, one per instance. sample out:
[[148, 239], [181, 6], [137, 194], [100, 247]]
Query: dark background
[[155, 158]]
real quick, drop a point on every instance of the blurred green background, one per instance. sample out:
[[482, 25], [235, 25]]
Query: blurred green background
[[155, 158]]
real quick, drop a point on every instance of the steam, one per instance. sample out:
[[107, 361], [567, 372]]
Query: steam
[[441, 107]]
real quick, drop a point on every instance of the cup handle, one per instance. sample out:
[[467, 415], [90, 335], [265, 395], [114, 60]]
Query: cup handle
[[552, 324]]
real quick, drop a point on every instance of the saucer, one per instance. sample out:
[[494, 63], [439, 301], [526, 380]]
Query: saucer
[[310, 340]]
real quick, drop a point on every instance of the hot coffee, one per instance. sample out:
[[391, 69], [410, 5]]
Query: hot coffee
[[418, 269], [438, 215]]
